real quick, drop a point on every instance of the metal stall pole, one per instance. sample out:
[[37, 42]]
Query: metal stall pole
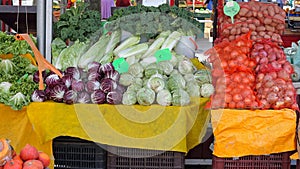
[[48, 29], [40, 27]]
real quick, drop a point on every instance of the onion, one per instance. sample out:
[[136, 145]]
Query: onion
[[280, 81], [288, 67], [251, 78], [269, 84], [260, 77], [252, 64], [231, 105], [263, 60], [247, 101], [266, 90], [267, 77], [246, 92], [290, 93], [272, 57], [275, 89], [246, 80], [276, 65], [232, 63], [240, 105], [262, 54], [272, 97], [237, 97], [283, 74], [258, 46], [234, 53], [237, 78], [267, 46], [273, 74], [228, 98], [258, 85]]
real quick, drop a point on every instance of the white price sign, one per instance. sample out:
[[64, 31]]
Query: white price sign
[[155, 3]]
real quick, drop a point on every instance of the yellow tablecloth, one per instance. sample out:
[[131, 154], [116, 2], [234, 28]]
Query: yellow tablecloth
[[15, 126], [169, 128], [258, 132]]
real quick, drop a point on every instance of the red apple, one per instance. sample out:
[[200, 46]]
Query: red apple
[[33, 164], [18, 159], [29, 153], [44, 158], [12, 164]]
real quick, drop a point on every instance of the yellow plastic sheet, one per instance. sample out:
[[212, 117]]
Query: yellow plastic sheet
[[171, 128], [260, 132], [15, 126]]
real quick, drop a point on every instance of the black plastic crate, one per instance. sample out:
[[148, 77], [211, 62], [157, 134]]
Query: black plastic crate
[[75, 153], [272, 161], [133, 158]]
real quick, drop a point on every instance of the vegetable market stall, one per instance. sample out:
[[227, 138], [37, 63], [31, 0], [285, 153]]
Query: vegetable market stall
[[173, 128]]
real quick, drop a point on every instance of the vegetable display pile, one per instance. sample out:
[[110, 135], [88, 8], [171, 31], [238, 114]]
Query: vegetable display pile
[[147, 81], [266, 21], [16, 82], [77, 23]]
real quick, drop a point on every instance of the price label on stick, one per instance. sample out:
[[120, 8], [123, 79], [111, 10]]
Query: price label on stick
[[231, 9], [162, 55], [120, 65]]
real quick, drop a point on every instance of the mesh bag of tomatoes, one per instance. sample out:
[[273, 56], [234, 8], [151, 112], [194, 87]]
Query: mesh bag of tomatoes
[[233, 74]]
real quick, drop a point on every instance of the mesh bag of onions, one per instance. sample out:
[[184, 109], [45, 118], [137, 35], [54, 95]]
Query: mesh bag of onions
[[274, 85], [263, 20], [233, 74]]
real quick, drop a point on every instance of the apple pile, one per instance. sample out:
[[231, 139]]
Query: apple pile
[[29, 158]]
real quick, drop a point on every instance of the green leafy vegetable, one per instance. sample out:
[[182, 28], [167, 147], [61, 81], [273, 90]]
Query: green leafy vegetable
[[57, 46], [77, 23], [164, 98], [156, 83], [9, 45], [180, 98], [131, 41], [129, 98], [145, 96], [16, 88], [70, 56], [207, 90], [133, 50]]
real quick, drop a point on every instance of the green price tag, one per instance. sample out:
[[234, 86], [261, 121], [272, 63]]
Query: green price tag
[[162, 55], [120, 65], [231, 9]]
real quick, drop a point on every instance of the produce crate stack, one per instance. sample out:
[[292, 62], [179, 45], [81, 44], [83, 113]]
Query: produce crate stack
[[75, 153], [122, 157], [264, 67]]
